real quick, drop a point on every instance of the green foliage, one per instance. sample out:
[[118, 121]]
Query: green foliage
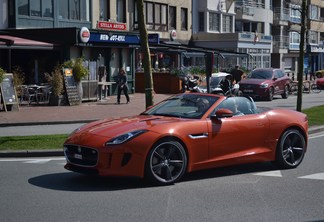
[[2, 72], [79, 71], [39, 142], [55, 79], [315, 115]]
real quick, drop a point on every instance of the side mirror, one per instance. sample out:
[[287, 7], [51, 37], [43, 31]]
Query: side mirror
[[222, 113]]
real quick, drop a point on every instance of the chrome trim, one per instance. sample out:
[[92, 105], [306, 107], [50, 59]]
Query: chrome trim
[[198, 136]]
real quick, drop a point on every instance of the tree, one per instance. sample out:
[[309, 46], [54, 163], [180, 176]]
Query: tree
[[149, 90]]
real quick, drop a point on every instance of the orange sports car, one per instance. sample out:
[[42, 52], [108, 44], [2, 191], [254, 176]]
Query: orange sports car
[[185, 133]]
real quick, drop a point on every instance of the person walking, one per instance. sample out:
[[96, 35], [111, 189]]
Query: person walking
[[122, 85], [237, 74]]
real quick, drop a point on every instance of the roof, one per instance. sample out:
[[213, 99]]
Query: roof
[[8, 41]]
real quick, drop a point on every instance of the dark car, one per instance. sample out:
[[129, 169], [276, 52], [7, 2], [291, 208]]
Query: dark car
[[264, 83]]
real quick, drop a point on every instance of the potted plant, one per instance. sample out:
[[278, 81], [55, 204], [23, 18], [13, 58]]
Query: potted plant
[[55, 79], [79, 72], [2, 73]]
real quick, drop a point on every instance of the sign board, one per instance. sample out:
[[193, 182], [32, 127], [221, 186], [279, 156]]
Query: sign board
[[153, 38], [8, 91], [115, 26], [71, 87]]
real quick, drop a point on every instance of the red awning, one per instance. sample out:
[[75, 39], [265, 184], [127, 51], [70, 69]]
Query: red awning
[[7, 41]]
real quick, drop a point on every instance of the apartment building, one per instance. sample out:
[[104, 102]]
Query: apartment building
[[242, 26]]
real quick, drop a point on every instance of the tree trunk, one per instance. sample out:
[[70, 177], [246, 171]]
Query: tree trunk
[[146, 54]]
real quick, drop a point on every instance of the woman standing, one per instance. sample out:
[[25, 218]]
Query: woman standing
[[122, 85]]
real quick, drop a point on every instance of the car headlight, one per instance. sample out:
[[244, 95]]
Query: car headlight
[[264, 85], [125, 137]]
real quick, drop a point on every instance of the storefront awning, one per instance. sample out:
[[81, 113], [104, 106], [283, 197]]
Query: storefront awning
[[12, 42]]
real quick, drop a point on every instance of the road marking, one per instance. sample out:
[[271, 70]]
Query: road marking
[[274, 173], [316, 176], [41, 161], [30, 160]]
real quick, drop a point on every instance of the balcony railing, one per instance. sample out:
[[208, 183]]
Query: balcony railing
[[247, 7], [281, 42], [281, 14]]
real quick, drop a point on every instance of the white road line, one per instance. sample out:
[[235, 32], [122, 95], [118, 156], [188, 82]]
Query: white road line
[[316, 176], [274, 173], [41, 161]]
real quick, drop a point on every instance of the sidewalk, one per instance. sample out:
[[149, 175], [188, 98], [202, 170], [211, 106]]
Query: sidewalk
[[42, 114]]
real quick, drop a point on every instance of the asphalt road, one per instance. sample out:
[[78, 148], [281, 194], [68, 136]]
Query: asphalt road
[[39, 189]]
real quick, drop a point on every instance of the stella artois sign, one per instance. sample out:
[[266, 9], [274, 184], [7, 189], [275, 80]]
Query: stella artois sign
[[116, 26]]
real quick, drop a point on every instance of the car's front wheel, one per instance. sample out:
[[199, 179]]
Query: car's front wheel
[[285, 93], [270, 94], [166, 162], [290, 149]]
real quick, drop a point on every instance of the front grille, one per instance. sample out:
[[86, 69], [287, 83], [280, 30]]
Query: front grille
[[80, 155]]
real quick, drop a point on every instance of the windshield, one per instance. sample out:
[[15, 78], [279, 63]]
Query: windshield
[[260, 74], [192, 106], [215, 81]]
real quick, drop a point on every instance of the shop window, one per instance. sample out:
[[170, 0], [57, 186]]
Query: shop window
[[184, 19]]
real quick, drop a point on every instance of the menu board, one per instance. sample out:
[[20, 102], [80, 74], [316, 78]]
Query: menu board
[[8, 92]]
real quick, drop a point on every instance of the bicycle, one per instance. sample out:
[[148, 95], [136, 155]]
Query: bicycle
[[294, 87], [315, 88]]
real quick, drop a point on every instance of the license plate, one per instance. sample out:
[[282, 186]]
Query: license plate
[[78, 156], [248, 90]]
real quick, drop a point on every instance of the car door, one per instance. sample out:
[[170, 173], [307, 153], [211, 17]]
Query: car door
[[239, 136], [280, 82]]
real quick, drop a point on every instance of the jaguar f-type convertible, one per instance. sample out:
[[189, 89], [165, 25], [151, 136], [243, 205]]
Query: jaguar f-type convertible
[[185, 133]]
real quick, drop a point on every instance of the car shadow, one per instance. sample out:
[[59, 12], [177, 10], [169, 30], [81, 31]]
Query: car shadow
[[70, 181]]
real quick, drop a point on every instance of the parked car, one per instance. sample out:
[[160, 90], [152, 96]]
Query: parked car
[[186, 133], [264, 83], [320, 82]]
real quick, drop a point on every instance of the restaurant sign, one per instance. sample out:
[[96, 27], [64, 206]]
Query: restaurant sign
[[119, 38], [115, 26]]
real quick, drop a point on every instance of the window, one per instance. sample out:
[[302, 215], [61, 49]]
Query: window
[[313, 37], [172, 17], [74, 9], [227, 23], [201, 22], [214, 22], [184, 19], [156, 16], [47, 8], [36, 8], [121, 17], [23, 7], [104, 10], [313, 10]]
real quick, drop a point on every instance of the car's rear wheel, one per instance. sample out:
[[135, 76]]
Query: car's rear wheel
[[166, 162], [290, 149], [285, 93], [270, 94]]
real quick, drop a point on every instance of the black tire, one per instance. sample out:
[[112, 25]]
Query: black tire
[[285, 93], [270, 94], [166, 162], [290, 149], [315, 88]]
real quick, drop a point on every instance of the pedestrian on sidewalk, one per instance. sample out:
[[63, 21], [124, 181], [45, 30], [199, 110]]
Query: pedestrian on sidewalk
[[122, 85]]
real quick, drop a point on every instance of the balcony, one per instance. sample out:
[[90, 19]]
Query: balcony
[[280, 44], [281, 16]]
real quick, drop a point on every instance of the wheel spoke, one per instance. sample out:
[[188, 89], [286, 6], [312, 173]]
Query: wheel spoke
[[168, 174], [176, 163], [156, 168], [158, 156]]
